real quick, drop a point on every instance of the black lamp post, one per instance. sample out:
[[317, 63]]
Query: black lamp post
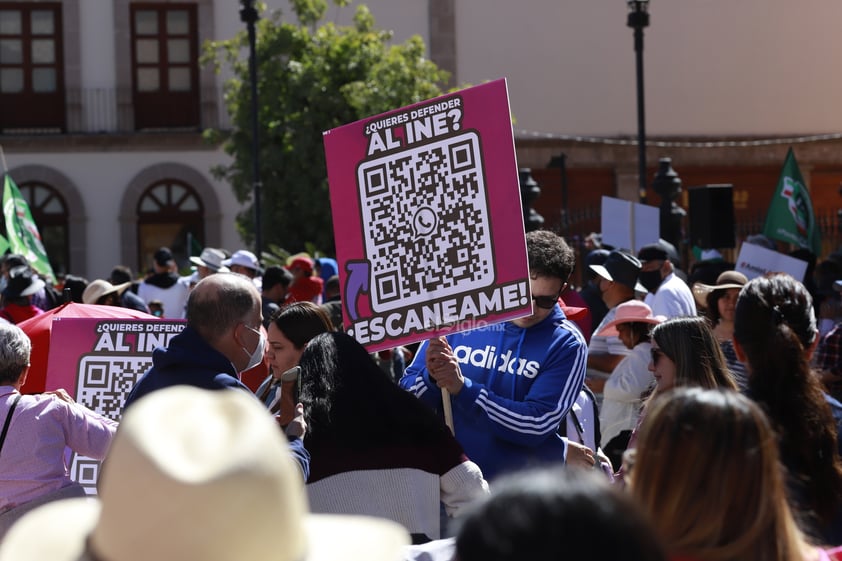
[[668, 185], [248, 14], [560, 162], [639, 19], [529, 191]]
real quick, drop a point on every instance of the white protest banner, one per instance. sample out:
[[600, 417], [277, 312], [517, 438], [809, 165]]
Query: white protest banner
[[756, 261], [627, 225]]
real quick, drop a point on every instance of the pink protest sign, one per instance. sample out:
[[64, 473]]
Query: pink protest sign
[[98, 362], [427, 218]]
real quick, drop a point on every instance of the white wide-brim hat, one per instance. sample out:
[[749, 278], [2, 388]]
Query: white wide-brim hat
[[99, 288], [212, 259], [244, 258], [204, 475], [58, 531]]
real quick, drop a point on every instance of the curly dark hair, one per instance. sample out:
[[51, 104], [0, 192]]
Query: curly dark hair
[[549, 255]]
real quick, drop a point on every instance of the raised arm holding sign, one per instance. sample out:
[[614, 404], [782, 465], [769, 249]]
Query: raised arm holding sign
[[430, 247], [426, 236], [512, 383], [443, 367]]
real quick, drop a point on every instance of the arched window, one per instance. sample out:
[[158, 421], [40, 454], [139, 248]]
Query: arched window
[[49, 211], [169, 214]]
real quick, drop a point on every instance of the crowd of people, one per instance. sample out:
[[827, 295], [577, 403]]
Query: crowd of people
[[648, 413], [163, 290]]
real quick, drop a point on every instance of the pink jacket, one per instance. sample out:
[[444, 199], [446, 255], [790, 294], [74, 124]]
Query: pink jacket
[[32, 460]]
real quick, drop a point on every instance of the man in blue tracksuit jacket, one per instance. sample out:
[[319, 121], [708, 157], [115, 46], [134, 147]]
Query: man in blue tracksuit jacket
[[511, 383]]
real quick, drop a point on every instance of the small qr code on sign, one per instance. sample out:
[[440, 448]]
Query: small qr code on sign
[[105, 381], [426, 222], [103, 384]]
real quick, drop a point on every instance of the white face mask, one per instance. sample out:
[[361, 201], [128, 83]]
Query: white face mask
[[256, 356]]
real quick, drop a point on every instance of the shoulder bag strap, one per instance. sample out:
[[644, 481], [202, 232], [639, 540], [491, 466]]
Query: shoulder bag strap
[[580, 429], [8, 420]]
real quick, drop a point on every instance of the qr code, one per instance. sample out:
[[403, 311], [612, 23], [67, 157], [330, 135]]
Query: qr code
[[105, 381], [103, 384], [426, 222]]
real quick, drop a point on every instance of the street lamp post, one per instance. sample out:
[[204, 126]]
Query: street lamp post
[[529, 191], [668, 185], [249, 16], [560, 162], [638, 20]]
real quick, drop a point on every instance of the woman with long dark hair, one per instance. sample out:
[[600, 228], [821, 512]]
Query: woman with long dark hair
[[684, 354], [290, 328], [376, 449], [719, 302], [775, 334]]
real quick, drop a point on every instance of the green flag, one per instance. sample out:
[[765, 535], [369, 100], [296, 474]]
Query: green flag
[[194, 248], [790, 216], [23, 236]]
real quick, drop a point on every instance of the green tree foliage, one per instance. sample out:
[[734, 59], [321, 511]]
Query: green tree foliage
[[313, 75]]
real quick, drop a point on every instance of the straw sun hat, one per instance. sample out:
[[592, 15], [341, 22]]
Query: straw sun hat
[[99, 288], [726, 280], [628, 312], [198, 475]]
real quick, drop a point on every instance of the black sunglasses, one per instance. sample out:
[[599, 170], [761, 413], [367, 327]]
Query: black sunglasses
[[545, 302]]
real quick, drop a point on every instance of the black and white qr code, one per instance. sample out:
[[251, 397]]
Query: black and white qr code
[[426, 222], [103, 384], [105, 381]]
